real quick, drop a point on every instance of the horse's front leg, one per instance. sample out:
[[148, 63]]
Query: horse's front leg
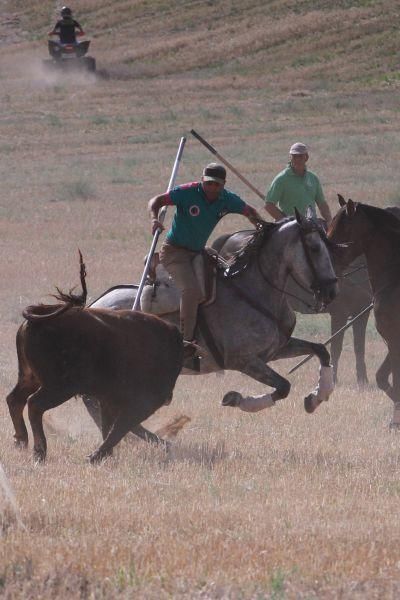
[[394, 357], [325, 386], [257, 369]]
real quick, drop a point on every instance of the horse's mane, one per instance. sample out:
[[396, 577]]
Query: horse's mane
[[241, 259], [386, 219]]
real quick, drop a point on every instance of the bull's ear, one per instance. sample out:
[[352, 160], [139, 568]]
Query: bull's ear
[[351, 207], [342, 201]]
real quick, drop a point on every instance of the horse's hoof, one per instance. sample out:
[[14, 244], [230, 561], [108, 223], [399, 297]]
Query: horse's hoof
[[311, 403], [20, 444], [363, 385], [39, 456], [231, 399]]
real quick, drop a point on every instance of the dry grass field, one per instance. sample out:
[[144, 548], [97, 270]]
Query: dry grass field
[[279, 504]]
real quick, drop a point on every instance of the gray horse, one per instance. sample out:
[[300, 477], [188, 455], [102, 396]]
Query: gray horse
[[250, 323], [354, 295]]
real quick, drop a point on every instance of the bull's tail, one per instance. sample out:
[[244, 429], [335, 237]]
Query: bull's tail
[[40, 312]]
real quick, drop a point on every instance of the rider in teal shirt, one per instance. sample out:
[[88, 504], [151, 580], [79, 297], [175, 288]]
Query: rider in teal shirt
[[196, 217], [199, 207]]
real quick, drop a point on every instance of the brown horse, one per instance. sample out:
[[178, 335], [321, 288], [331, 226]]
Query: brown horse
[[375, 232]]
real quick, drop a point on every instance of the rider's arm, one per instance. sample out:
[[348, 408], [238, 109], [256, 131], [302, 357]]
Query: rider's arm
[[78, 26], [252, 215], [325, 212], [154, 207], [274, 211], [322, 204]]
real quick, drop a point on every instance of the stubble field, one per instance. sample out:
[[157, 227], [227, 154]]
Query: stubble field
[[280, 504]]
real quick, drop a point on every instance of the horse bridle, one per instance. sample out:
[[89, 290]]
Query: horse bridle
[[317, 283]]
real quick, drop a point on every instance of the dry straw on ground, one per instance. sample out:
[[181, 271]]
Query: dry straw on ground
[[275, 505]]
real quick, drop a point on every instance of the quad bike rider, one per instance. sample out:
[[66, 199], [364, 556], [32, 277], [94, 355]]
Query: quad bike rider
[[67, 51]]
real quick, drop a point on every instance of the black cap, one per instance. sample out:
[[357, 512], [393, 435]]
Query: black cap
[[214, 172]]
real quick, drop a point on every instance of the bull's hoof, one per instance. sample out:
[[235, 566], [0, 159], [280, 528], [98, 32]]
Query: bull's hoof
[[394, 426], [98, 456], [95, 458], [311, 403], [231, 399]]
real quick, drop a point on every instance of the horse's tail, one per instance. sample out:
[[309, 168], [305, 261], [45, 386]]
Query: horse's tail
[[40, 312]]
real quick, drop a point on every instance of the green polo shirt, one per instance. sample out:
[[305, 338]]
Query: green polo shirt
[[289, 191], [195, 217]]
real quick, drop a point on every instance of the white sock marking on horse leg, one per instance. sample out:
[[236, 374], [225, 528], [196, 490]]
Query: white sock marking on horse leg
[[324, 388], [256, 403]]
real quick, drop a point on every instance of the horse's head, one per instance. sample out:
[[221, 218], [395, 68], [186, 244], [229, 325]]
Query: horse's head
[[356, 225], [342, 233], [313, 267]]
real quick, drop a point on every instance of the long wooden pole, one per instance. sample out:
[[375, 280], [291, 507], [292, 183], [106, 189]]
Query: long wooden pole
[[161, 217], [225, 162]]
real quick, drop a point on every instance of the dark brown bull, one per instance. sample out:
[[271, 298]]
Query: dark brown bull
[[128, 361]]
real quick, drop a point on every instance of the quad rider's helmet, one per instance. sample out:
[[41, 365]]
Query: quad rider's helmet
[[66, 12]]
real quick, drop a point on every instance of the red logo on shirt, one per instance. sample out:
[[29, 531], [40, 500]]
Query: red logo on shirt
[[194, 210]]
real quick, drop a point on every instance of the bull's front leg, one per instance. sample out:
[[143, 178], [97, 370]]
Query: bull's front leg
[[325, 385], [257, 369]]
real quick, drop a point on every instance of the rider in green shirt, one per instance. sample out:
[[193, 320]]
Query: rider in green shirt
[[296, 187]]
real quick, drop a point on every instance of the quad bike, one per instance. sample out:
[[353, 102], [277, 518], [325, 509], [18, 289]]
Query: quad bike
[[70, 56]]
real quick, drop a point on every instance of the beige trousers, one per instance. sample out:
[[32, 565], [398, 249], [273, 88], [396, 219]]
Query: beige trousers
[[178, 262]]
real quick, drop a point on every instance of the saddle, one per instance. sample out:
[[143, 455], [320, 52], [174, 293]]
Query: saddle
[[160, 296]]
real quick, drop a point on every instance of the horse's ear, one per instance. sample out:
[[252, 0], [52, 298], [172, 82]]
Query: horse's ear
[[299, 217], [309, 213], [351, 207], [342, 201]]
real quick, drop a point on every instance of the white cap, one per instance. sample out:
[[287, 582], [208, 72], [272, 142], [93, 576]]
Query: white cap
[[298, 148]]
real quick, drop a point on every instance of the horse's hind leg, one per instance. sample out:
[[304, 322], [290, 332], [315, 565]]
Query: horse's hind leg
[[337, 321], [394, 356], [382, 377], [325, 386], [359, 331], [257, 369], [16, 400]]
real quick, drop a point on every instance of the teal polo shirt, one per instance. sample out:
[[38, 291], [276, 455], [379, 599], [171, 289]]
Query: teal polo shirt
[[195, 217], [289, 191]]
